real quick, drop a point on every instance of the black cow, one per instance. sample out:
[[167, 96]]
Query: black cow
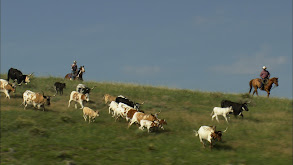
[[237, 107], [17, 75], [59, 87], [122, 99]]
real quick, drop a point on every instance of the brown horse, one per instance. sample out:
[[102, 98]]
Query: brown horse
[[80, 72], [256, 83]]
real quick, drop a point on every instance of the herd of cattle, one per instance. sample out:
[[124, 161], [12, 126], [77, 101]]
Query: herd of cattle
[[119, 107]]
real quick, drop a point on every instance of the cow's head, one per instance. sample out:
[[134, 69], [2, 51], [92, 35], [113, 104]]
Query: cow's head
[[85, 97], [137, 105], [63, 85], [230, 109], [47, 100], [11, 87], [244, 107], [162, 121], [217, 135], [27, 78]]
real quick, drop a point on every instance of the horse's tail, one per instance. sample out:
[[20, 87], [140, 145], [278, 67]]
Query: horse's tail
[[250, 85]]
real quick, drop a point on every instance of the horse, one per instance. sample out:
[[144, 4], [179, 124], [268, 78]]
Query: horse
[[256, 83], [80, 72]]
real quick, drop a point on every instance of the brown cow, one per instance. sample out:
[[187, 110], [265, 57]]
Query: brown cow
[[36, 99], [130, 113], [6, 87], [108, 98], [141, 116], [77, 97]]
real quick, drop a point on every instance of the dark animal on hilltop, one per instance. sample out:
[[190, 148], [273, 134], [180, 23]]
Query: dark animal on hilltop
[[17, 75], [237, 107], [78, 76], [122, 99], [256, 83], [59, 87]]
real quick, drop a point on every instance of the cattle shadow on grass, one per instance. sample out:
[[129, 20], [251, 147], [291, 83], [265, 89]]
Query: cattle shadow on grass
[[222, 146], [16, 95]]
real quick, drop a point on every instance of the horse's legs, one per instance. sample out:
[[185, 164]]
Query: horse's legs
[[255, 91], [268, 92]]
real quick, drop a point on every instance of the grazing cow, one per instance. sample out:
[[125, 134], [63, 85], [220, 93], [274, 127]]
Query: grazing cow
[[78, 98], [148, 124], [17, 75], [36, 99], [138, 116], [91, 114], [108, 98], [122, 99], [209, 133], [237, 107], [6, 87], [59, 87], [221, 111]]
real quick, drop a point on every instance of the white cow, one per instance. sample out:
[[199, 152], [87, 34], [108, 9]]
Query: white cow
[[112, 107], [208, 133], [119, 111], [221, 111], [77, 97], [148, 124]]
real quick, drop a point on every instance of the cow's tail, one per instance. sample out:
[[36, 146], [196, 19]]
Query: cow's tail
[[250, 85], [195, 132]]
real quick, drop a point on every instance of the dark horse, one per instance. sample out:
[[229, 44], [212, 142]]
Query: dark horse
[[256, 83], [78, 76]]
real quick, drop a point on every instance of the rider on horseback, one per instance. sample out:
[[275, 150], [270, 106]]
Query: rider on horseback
[[74, 70], [265, 75]]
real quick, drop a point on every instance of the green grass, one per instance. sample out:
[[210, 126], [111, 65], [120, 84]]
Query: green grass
[[61, 136]]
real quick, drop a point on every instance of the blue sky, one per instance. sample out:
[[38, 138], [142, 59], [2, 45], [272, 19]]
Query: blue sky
[[206, 45]]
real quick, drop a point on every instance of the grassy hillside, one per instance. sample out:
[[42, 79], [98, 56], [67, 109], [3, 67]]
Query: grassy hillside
[[61, 136]]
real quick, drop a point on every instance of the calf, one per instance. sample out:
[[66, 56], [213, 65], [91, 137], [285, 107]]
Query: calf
[[148, 124], [78, 98], [208, 133], [221, 111], [17, 75], [36, 99], [138, 116], [59, 87], [87, 112], [237, 107], [6, 87], [108, 98], [112, 107]]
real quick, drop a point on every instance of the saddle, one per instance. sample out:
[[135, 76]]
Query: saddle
[[263, 83]]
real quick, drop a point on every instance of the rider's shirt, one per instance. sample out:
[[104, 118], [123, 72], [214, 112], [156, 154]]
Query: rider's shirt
[[74, 67], [264, 74]]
